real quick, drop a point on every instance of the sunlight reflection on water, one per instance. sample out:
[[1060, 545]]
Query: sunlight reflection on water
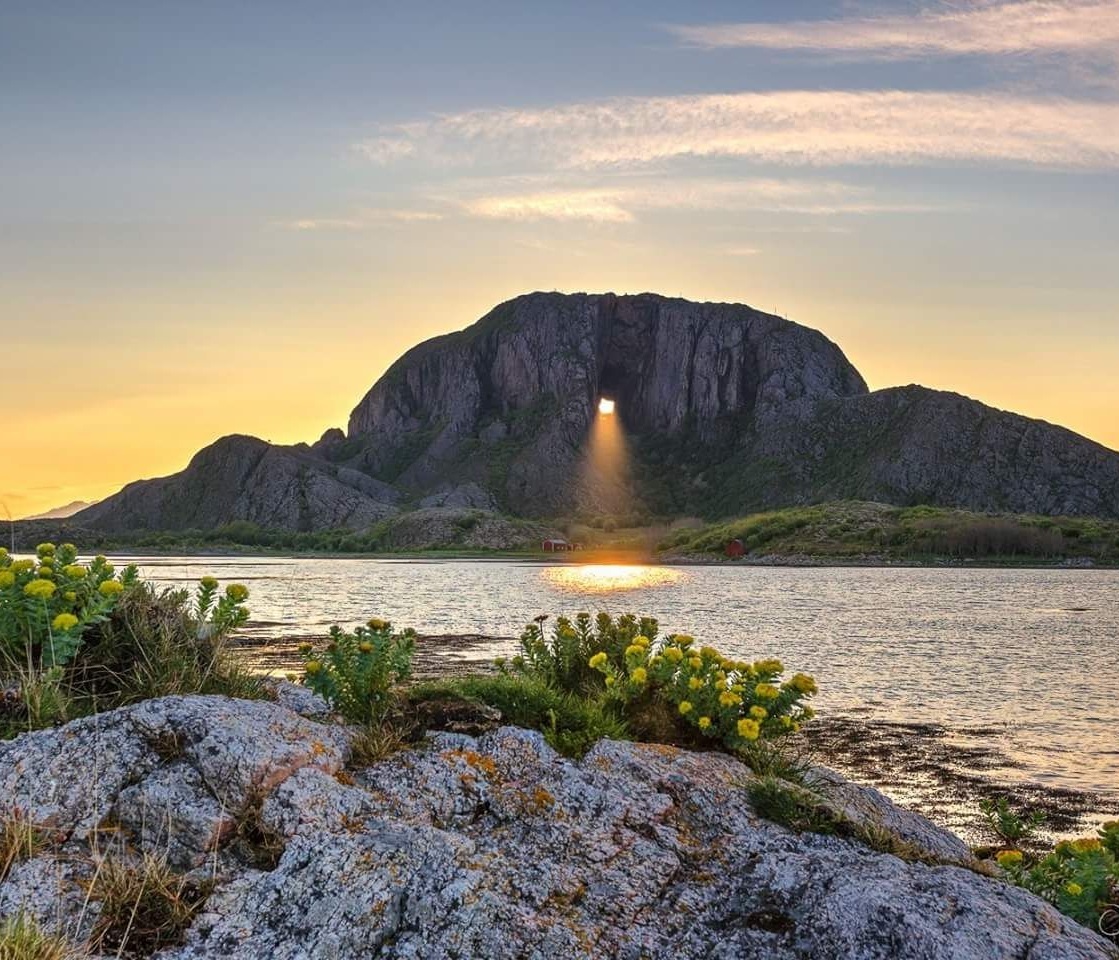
[[588, 578]]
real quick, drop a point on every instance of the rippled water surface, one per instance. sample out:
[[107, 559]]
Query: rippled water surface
[[1032, 654]]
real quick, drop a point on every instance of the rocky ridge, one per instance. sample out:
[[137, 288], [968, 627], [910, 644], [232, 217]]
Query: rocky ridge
[[491, 846]]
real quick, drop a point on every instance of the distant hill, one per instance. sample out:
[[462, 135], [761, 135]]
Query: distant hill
[[725, 409], [61, 513]]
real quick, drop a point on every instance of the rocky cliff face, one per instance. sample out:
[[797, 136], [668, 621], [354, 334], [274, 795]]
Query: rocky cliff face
[[243, 478], [491, 847], [725, 410]]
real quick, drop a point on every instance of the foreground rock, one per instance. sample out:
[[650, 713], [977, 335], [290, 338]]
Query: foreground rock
[[491, 847]]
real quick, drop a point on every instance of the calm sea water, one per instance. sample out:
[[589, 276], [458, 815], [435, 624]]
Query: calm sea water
[[1030, 654]]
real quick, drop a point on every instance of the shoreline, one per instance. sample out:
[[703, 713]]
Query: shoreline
[[626, 558], [938, 771]]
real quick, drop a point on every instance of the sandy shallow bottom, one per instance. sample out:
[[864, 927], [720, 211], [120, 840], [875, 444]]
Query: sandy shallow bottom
[[940, 771]]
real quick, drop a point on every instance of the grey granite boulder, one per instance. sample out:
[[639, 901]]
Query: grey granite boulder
[[497, 847]]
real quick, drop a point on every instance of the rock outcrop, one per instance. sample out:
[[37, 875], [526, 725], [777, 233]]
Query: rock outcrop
[[725, 410], [490, 847]]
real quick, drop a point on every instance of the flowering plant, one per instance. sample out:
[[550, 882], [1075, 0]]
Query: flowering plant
[[1079, 877], [355, 672], [47, 603], [731, 701], [563, 660]]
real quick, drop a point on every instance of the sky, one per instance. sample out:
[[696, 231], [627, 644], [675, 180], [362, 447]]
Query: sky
[[232, 217]]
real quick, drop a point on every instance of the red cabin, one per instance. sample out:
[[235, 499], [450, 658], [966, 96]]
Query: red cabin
[[555, 545], [736, 548]]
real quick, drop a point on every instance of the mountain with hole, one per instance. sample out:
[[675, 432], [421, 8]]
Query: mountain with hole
[[718, 410]]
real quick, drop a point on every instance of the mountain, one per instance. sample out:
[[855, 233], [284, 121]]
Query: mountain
[[724, 409], [61, 513]]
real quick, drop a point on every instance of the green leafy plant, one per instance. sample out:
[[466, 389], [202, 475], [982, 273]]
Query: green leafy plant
[[47, 604], [562, 659], [356, 671], [1079, 877], [1007, 824]]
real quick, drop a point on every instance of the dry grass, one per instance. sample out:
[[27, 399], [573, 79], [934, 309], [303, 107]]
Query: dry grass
[[21, 938], [374, 743], [144, 905], [256, 842], [20, 839]]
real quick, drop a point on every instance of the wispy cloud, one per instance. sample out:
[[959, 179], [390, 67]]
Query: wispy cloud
[[362, 220], [1043, 26], [788, 127], [623, 203]]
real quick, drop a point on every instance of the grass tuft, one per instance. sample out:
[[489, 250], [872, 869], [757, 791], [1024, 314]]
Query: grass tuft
[[144, 905], [21, 938]]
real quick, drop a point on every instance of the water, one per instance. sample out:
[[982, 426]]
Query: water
[[1030, 656]]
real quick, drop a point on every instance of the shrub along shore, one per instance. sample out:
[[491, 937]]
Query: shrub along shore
[[78, 639], [843, 532]]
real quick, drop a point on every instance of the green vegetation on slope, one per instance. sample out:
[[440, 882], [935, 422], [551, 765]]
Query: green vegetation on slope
[[853, 530]]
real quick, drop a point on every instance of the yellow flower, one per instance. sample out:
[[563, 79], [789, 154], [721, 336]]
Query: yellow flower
[[40, 589], [802, 683], [720, 683], [641, 640], [305, 647], [695, 663], [704, 723], [3, 552], [7, 578], [1008, 858], [767, 691], [312, 667], [635, 650], [237, 592], [45, 550], [759, 713], [769, 666], [748, 729], [598, 660], [709, 653], [610, 681], [673, 654], [110, 588], [695, 683], [64, 622], [22, 566], [210, 583], [1073, 889], [683, 640], [655, 661], [728, 699], [69, 596], [1086, 845], [365, 646], [377, 624], [685, 708], [75, 571], [638, 675]]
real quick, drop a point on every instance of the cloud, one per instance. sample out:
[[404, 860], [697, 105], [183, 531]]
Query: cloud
[[363, 220], [622, 203], [384, 150], [788, 127], [1045, 26]]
